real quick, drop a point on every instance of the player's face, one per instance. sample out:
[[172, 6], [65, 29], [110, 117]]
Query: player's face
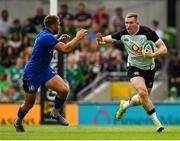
[[131, 25], [56, 27]]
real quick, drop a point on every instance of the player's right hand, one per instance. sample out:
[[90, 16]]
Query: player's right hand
[[81, 33], [99, 39], [63, 37]]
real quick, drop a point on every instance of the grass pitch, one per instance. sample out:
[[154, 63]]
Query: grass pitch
[[56, 132]]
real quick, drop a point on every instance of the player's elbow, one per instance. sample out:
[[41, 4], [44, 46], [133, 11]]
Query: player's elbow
[[66, 50], [165, 50]]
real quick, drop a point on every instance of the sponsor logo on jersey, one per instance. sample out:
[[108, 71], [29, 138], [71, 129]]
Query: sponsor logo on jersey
[[136, 50]]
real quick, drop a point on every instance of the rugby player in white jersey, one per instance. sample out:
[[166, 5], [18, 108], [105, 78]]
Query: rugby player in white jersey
[[140, 63]]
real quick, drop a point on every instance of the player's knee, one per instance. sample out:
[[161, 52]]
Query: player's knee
[[143, 93], [64, 90]]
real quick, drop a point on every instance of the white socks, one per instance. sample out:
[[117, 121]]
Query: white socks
[[126, 104], [154, 118]]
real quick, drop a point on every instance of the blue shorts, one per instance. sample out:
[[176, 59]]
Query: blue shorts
[[32, 80]]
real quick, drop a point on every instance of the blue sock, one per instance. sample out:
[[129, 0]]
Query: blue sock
[[58, 102], [21, 114]]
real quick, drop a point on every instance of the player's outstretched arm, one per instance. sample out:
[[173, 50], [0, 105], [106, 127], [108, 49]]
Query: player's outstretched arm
[[103, 40], [68, 47]]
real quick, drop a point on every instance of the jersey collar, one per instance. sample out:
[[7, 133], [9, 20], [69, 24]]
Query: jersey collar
[[136, 31]]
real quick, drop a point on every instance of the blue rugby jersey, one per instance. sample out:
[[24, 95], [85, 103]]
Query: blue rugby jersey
[[42, 52]]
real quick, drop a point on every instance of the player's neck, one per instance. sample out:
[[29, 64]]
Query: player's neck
[[136, 31], [50, 30]]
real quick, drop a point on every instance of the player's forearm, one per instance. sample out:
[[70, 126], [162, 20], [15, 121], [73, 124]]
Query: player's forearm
[[107, 39], [104, 40], [71, 45], [161, 51]]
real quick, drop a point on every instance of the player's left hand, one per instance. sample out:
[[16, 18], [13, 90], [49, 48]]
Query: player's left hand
[[63, 37], [148, 53]]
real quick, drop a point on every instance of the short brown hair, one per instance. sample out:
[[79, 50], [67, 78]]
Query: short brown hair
[[130, 15], [50, 20]]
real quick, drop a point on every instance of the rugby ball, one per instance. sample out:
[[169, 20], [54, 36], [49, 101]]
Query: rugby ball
[[149, 45]]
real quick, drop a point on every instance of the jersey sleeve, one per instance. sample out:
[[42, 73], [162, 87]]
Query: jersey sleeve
[[50, 41], [117, 35], [151, 35]]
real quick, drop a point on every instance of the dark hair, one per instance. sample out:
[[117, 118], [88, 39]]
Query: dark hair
[[82, 4], [155, 22], [50, 20], [64, 6]]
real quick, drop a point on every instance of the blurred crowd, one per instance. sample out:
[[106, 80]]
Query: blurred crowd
[[83, 65], [173, 72]]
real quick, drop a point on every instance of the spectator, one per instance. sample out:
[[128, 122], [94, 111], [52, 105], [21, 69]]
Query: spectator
[[84, 64], [63, 14], [117, 21], [29, 30], [16, 26], [83, 19], [3, 83], [95, 66], [157, 29], [113, 60], [101, 18], [26, 47], [15, 43], [9, 94], [16, 70], [4, 52], [174, 71], [74, 76], [89, 42], [38, 19], [172, 95], [68, 27], [5, 23]]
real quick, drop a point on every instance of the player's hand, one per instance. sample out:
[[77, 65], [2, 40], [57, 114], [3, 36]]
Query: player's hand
[[81, 33], [148, 53], [63, 37], [99, 39]]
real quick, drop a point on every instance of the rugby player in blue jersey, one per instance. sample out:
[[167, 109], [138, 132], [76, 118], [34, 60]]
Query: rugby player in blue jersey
[[38, 71]]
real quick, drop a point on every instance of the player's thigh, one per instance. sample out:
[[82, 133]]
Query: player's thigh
[[149, 77], [139, 84], [149, 91], [57, 84]]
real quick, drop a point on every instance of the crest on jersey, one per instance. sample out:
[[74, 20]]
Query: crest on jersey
[[126, 39], [31, 88], [141, 40]]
